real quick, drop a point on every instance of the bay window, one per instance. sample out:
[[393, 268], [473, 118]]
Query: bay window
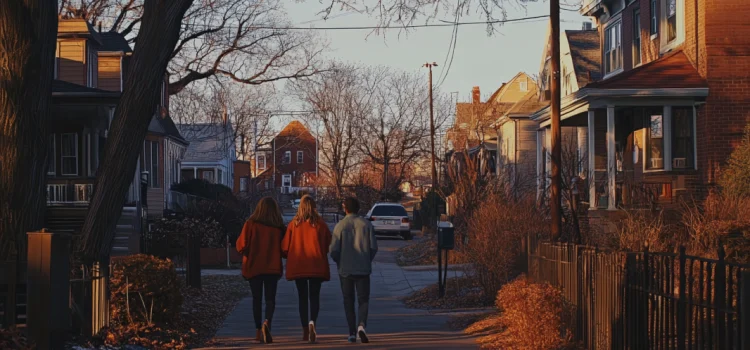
[[613, 47], [682, 138], [69, 154]]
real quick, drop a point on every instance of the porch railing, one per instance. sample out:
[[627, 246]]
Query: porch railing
[[69, 193]]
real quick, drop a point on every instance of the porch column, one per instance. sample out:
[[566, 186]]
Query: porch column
[[216, 175], [539, 164], [611, 160], [195, 173], [591, 160], [667, 133]]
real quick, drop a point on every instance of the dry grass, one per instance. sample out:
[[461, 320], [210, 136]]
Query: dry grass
[[460, 292], [533, 316], [721, 219]]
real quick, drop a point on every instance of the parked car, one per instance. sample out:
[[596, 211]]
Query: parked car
[[390, 219], [295, 204]]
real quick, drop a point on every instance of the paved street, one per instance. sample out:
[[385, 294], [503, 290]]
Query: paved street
[[391, 325]]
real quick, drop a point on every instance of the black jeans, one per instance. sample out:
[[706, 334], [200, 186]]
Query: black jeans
[[258, 284], [308, 289], [360, 284]]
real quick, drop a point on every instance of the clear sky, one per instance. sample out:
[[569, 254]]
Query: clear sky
[[479, 59]]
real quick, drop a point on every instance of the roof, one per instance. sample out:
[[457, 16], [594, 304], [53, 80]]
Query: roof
[[64, 87], [586, 55], [114, 42], [77, 26], [527, 105], [208, 142], [673, 71], [165, 126], [297, 130]]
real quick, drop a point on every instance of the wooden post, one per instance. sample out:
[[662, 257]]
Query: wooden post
[[744, 310], [720, 295], [99, 296], [193, 273], [682, 303], [48, 288], [555, 205]]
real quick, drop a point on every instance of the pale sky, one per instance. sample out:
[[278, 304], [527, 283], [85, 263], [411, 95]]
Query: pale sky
[[479, 59]]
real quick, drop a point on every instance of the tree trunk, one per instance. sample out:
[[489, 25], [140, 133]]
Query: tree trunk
[[156, 40], [28, 33]]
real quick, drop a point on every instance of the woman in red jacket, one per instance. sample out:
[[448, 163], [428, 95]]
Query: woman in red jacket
[[305, 247], [260, 246]]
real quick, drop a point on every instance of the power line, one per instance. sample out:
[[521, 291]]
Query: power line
[[451, 49]]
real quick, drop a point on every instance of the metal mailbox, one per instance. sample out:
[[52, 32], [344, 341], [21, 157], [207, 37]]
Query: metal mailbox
[[446, 236]]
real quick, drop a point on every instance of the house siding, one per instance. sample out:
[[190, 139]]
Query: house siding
[[109, 73], [71, 63]]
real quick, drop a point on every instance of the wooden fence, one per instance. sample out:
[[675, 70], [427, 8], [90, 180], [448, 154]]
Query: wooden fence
[[647, 300]]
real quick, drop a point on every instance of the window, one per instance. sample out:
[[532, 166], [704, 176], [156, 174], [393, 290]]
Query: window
[[636, 37], [261, 162], [654, 18], [671, 15], [613, 48], [51, 158], [389, 210], [287, 158], [523, 85], [150, 162], [243, 184], [654, 141], [69, 153], [682, 138], [208, 175], [300, 157]]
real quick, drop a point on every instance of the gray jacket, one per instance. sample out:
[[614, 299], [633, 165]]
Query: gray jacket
[[353, 246]]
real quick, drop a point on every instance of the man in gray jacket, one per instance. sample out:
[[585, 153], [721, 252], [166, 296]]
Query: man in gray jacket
[[353, 248]]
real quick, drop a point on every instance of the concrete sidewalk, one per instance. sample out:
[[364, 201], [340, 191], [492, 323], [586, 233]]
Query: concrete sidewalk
[[391, 325]]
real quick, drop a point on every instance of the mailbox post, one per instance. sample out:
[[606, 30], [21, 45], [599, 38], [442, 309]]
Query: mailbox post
[[446, 241]]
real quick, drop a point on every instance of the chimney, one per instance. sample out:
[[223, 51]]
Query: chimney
[[587, 25], [475, 96]]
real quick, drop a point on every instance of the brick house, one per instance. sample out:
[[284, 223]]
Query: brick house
[[289, 162], [88, 80], [672, 102]]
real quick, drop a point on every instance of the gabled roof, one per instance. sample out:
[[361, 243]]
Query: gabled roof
[[527, 105], [114, 42], [165, 126], [586, 55], [208, 142], [297, 130], [673, 71], [75, 27]]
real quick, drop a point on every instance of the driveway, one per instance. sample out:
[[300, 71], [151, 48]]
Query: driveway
[[390, 324]]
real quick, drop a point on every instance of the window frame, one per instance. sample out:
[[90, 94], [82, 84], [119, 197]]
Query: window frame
[[287, 158], [523, 85], [210, 177], [300, 157], [637, 48], [74, 156], [243, 184], [258, 158], [615, 24], [690, 157], [52, 168], [665, 44], [654, 19]]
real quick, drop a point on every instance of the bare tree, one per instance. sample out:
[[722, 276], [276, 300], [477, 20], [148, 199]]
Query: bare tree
[[339, 100], [28, 31], [240, 40], [399, 126]]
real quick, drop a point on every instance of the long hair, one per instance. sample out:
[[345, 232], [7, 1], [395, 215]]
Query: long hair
[[267, 213], [307, 211]]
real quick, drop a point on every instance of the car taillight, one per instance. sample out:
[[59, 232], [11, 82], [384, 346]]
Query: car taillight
[[372, 218], [404, 220]]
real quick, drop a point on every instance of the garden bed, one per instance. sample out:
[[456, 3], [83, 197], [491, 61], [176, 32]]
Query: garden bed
[[461, 293]]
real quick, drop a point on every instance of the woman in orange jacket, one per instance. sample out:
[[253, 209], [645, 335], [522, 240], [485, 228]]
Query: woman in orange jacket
[[305, 247], [260, 246]]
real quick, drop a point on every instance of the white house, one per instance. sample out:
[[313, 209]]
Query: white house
[[211, 153]]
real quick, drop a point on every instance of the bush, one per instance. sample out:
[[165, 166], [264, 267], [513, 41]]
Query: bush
[[735, 178], [496, 230], [533, 316], [144, 290], [721, 219]]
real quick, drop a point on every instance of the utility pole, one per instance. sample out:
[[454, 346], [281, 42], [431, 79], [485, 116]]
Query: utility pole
[[556, 153], [433, 204]]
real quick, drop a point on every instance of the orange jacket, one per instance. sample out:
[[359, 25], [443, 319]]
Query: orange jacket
[[260, 246], [305, 248]]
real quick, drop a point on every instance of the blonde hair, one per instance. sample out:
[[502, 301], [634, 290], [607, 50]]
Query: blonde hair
[[267, 212], [307, 211]]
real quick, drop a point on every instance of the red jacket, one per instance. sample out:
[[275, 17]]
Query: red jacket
[[305, 248], [260, 246]]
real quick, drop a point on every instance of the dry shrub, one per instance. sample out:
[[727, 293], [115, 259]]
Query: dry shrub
[[642, 228], [721, 219], [533, 316], [496, 231], [13, 338], [144, 290]]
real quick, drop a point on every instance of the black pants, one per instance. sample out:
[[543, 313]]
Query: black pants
[[258, 284], [308, 290], [360, 284]]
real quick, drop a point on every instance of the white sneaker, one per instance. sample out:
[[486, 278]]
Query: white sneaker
[[313, 334], [363, 335]]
